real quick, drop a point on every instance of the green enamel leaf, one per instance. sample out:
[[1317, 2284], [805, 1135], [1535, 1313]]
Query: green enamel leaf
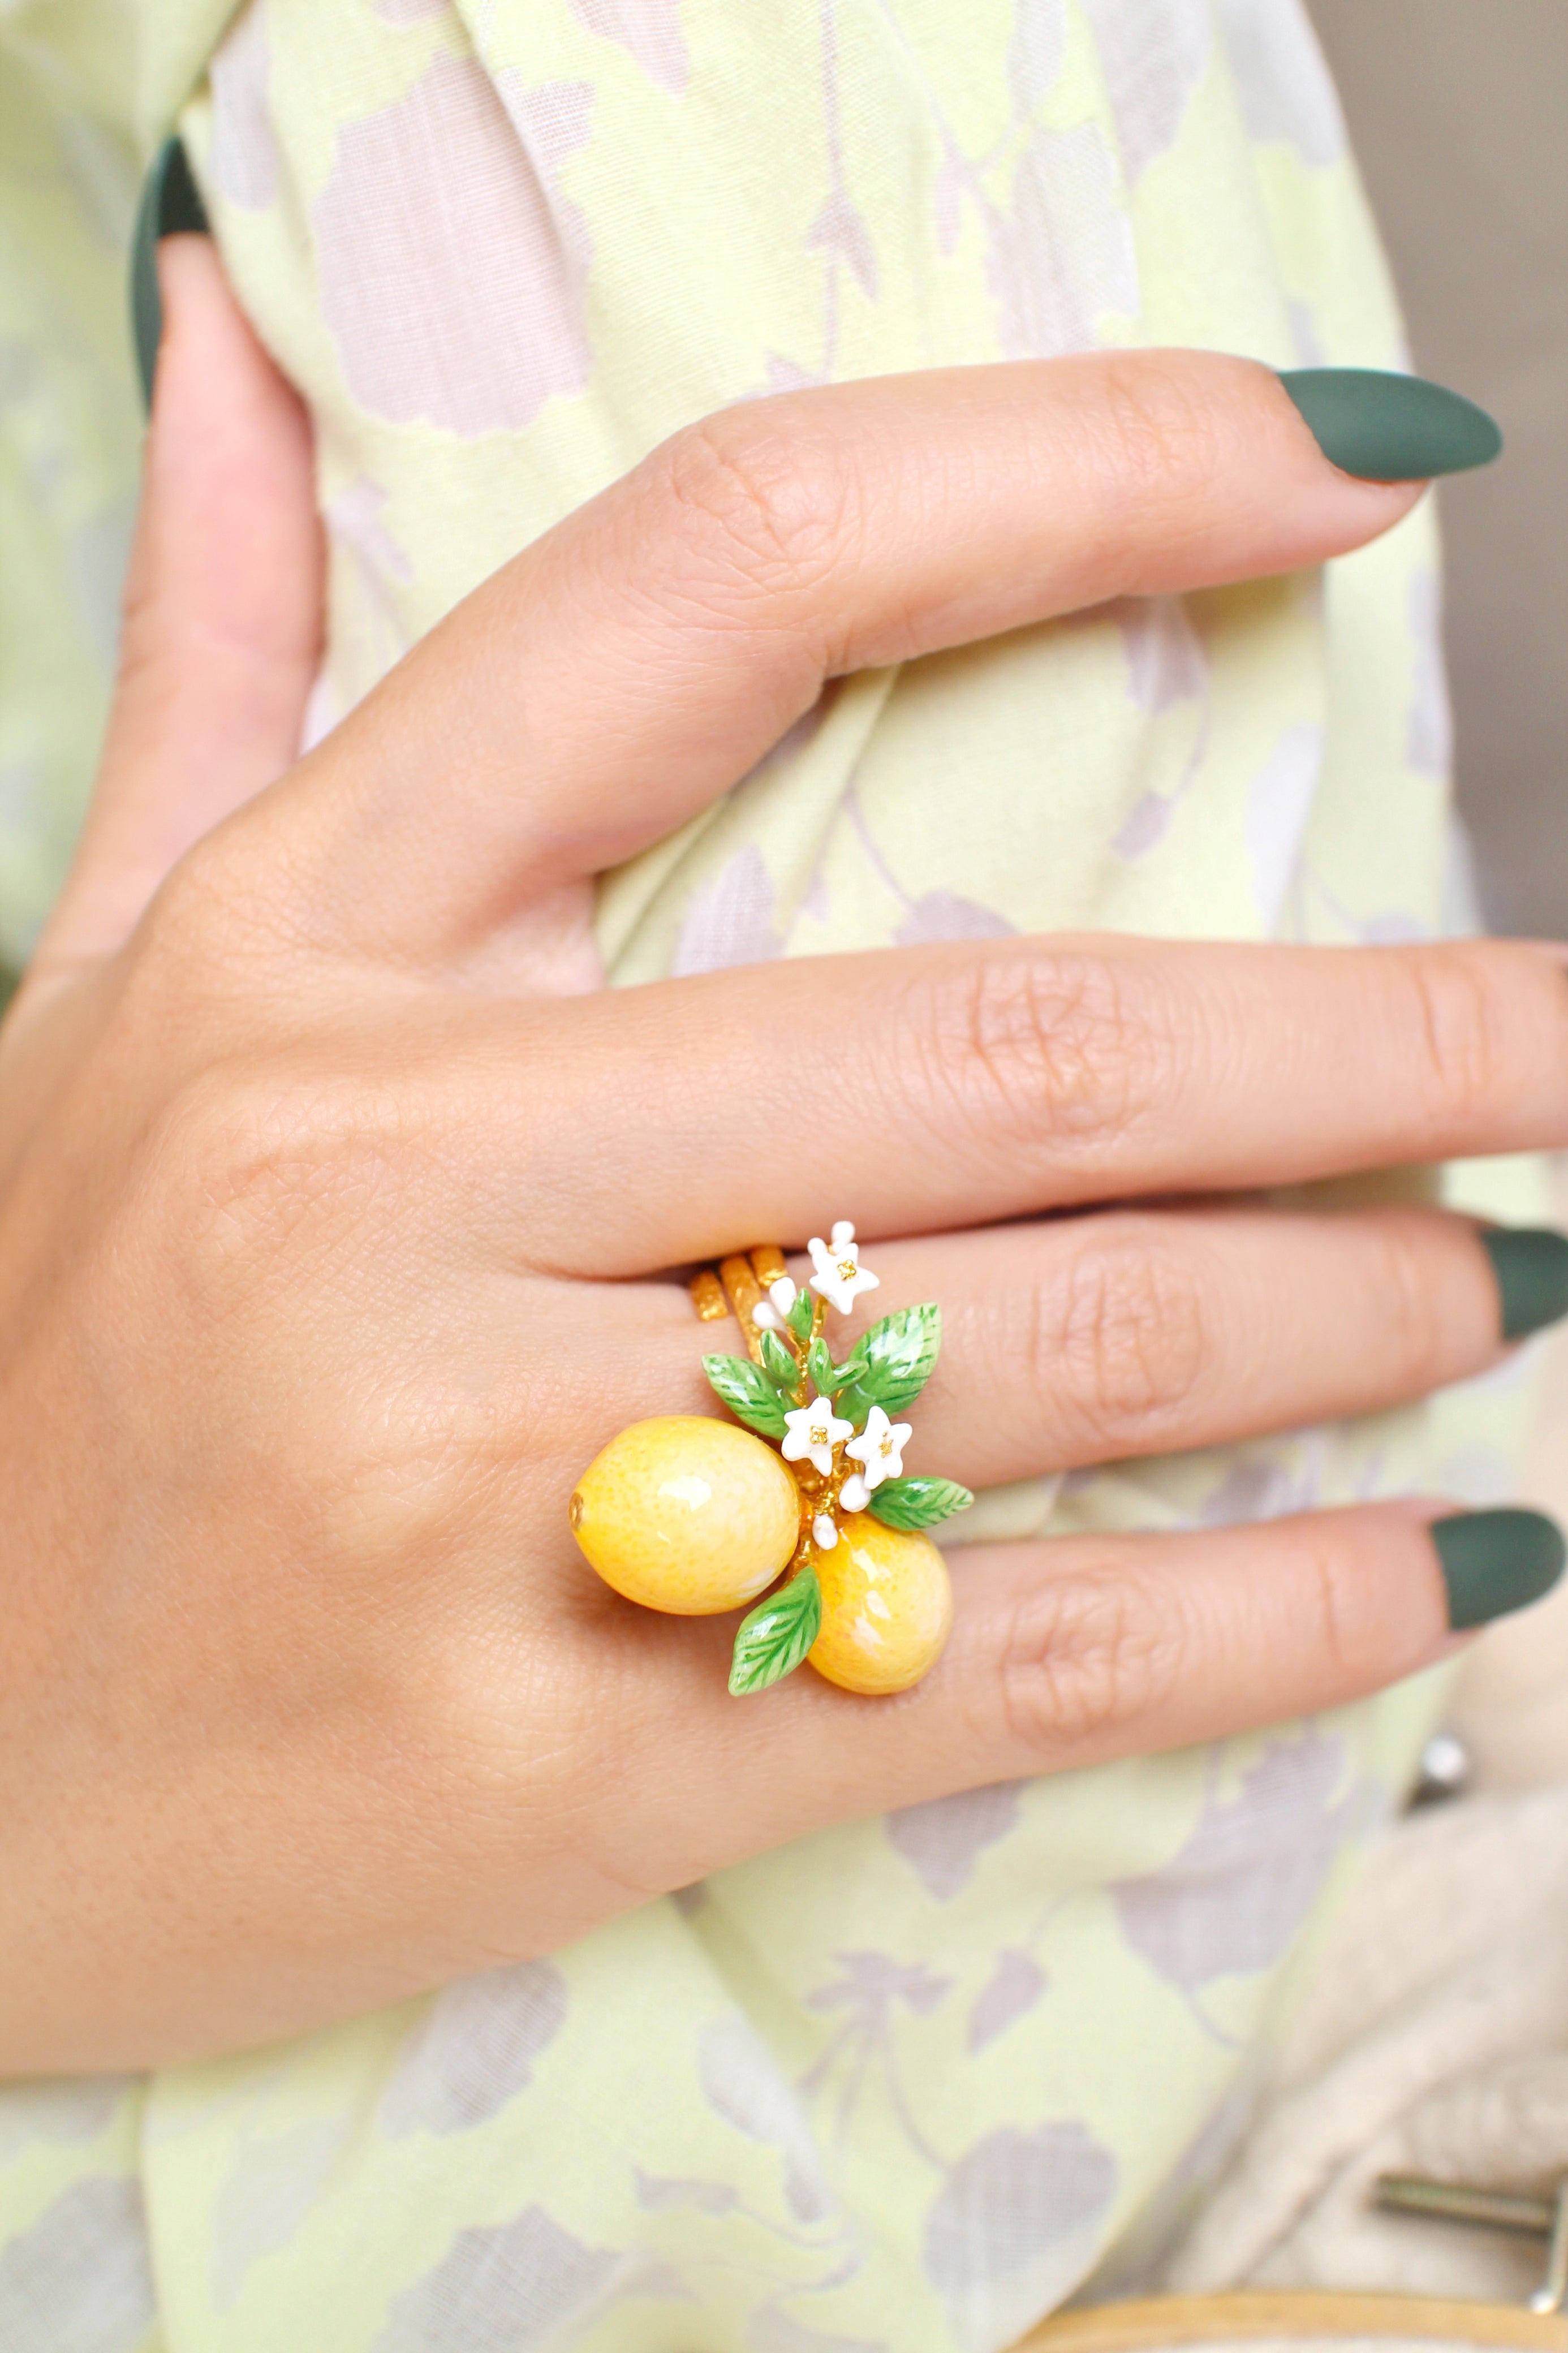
[[850, 1397], [779, 1365], [819, 1365], [748, 1392], [918, 1503], [774, 1638], [893, 1361], [853, 1405], [799, 1317]]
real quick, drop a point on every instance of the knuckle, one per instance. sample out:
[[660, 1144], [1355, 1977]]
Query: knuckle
[[1047, 1055], [257, 1216], [767, 505], [514, 1715], [140, 672], [142, 663], [209, 921], [1462, 1019], [246, 1162], [1088, 1657], [1166, 433], [186, 922], [1122, 1337], [1413, 1309], [1344, 1625]]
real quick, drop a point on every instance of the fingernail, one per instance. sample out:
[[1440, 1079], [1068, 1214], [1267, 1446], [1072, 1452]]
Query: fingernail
[[1493, 1562], [171, 203], [1392, 428], [1531, 1263]]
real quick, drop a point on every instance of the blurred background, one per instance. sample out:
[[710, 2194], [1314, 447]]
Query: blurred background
[[1459, 113]]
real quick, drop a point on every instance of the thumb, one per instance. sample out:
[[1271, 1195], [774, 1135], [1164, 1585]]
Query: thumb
[[223, 610]]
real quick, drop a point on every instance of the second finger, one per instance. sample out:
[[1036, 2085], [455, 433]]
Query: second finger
[[1078, 1340]]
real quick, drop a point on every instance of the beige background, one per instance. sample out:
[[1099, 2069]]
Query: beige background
[[1458, 110]]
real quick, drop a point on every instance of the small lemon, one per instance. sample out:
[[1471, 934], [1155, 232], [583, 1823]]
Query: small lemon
[[686, 1514], [887, 1606]]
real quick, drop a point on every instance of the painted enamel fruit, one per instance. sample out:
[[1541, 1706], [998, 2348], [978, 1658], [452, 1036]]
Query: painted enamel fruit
[[686, 1515], [887, 1607]]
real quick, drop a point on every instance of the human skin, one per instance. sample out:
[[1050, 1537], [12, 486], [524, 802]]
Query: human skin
[[336, 1200]]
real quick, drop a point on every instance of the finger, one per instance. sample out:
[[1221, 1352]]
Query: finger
[[1073, 1651], [1085, 1340], [1064, 1653], [630, 665], [952, 1086], [223, 609]]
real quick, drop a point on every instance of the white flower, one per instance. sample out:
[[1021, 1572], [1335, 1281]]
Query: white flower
[[854, 1496], [843, 1231], [824, 1535], [839, 1276], [879, 1448], [766, 1318], [812, 1431], [783, 1293]]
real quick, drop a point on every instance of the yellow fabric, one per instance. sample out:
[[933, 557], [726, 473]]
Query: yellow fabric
[[905, 2084]]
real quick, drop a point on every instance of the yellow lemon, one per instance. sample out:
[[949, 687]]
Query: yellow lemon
[[887, 1606], [686, 1514]]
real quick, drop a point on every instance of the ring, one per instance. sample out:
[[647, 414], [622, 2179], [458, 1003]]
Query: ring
[[803, 1498]]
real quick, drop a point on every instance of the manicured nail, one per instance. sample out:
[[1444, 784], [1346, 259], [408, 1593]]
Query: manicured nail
[[1497, 1561], [171, 203], [1392, 428], [1531, 1263]]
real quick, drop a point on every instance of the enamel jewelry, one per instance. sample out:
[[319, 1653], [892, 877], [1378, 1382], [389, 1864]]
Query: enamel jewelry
[[807, 1485]]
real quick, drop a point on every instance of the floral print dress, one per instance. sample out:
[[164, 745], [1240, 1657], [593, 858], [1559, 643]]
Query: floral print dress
[[911, 2082]]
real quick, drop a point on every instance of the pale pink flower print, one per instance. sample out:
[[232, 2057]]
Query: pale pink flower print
[[649, 30], [451, 266]]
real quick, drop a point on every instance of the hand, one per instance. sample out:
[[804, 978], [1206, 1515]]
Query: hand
[[333, 1202]]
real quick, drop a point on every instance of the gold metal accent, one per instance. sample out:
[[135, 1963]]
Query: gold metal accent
[[708, 1297], [738, 1287], [1165, 2324], [743, 1292]]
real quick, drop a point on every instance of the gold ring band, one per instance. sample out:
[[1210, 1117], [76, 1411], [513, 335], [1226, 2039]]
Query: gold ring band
[[734, 1287]]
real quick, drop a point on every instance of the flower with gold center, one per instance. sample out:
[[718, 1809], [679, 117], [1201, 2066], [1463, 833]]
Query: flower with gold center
[[839, 1276], [811, 1433], [880, 1449]]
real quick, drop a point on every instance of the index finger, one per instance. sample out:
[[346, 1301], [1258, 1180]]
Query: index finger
[[627, 669]]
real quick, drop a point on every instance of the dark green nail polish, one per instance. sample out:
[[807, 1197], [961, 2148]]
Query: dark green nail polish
[[1392, 428], [171, 203], [1497, 1561], [1531, 1263]]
